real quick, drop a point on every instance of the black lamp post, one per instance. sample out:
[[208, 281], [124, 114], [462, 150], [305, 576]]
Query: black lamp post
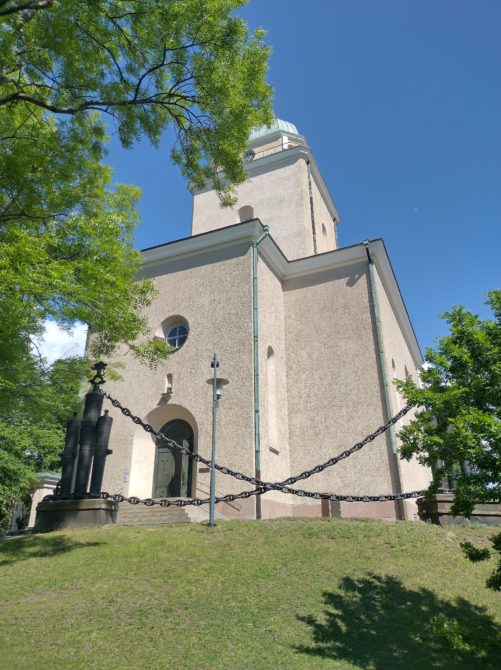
[[217, 390]]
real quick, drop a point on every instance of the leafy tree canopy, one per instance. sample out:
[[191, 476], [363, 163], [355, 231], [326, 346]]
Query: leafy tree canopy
[[70, 72], [459, 408], [148, 64], [457, 427]]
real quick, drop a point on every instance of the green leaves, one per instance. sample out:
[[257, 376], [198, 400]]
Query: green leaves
[[457, 427], [66, 241], [188, 64], [66, 232], [33, 417], [459, 415], [475, 555]]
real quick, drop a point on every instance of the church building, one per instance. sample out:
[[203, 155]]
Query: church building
[[309, 336]]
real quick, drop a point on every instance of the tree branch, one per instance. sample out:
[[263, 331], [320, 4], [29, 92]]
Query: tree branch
[[108, 51], [99, 105], [12, 6]]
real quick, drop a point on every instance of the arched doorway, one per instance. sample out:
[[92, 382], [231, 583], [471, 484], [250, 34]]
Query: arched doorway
[[172, 474]]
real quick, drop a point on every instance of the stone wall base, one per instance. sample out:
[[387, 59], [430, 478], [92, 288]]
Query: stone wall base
[[273, 509], [438, 511], [59, 514]]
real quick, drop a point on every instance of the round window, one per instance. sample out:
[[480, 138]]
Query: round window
[[176, 336]]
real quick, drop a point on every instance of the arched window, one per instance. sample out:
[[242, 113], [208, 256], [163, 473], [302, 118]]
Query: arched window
[[272, 400], [177, 335], [175, 330], [245, 213]]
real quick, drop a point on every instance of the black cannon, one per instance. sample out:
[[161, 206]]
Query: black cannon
[[86, 444]]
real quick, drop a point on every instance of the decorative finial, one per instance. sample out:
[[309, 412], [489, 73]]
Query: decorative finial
[[98, 378]]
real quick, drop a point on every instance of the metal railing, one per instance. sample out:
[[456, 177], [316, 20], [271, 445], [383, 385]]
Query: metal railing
[[253, 155]]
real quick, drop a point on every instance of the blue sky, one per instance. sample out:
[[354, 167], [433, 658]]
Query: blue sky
[[400, 101]]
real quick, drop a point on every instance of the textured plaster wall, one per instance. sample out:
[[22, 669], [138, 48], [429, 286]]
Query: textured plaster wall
[[334, 394], [324, 226], [213, 293], [280, 199], [274, 467], [413, 476], [329, 392]]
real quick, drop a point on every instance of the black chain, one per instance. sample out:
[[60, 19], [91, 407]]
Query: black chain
[[262, 486], [230, 497], [267, 486], [169, 502]]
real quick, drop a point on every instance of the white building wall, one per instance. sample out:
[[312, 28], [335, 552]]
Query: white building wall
[[329, 392], [334, 394], [324, 226], [399, 358], [213, 293], [279, 198], [274, 466]]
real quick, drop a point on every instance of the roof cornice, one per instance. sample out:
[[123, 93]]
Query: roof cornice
[[286, 270], [380, 258], [202, 243]]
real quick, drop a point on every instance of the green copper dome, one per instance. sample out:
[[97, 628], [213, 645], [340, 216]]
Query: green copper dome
[[275, 126]]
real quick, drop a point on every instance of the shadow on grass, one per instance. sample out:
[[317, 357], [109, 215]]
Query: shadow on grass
[[377, 623], [17, 549]]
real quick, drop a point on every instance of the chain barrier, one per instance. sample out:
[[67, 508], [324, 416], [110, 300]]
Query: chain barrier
[[230, 497], [261, 486], [269, 486]]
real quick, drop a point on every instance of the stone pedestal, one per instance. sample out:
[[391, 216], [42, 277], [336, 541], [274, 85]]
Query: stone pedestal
[[59, 514], [438, 511]]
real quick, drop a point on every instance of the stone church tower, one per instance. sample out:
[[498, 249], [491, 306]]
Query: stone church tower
[[309, 337], [285, 190]]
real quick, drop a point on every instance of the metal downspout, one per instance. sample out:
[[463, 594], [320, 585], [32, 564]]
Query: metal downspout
[[382, 366], [255, 335]]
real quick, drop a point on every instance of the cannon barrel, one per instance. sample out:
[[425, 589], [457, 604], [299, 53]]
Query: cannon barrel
[[101, 452], [92, 411], [69, 455]]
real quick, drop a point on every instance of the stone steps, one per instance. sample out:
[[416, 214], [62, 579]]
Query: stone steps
[[141, 515]]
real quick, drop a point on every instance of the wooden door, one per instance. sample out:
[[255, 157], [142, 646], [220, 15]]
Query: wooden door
[[172, 475]]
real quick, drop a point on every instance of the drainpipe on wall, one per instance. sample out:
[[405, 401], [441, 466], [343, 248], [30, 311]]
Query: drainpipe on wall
[[312, 211], [255, 334], [384, 375]]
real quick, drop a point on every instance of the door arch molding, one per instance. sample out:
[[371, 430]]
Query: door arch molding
[[142, 460]]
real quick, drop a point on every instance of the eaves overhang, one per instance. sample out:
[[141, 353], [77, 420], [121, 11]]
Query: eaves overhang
[[202, 243], [249, 231]]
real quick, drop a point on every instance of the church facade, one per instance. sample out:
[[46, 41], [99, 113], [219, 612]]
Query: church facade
[[309, 337]]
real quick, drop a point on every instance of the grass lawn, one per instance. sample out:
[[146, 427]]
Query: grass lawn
[[286, 594]]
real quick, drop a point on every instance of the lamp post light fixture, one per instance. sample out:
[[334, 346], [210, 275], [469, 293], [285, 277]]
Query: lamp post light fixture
[[217, 391]]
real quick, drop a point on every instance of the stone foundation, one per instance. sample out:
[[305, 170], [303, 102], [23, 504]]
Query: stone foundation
[[438, 511], [272, 509], [59, 514]]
